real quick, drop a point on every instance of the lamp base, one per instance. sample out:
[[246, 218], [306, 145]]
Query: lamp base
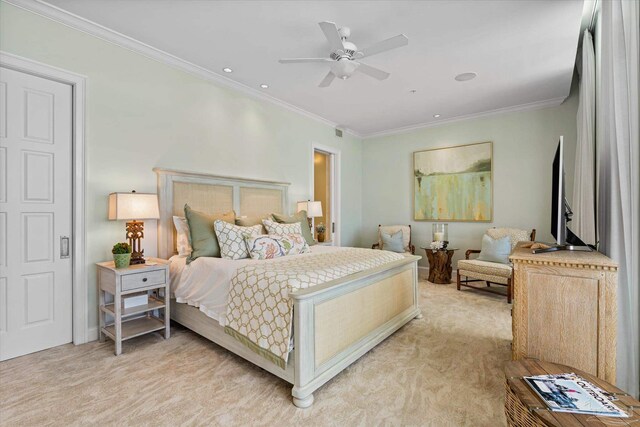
[[137, 258], [135, 233]]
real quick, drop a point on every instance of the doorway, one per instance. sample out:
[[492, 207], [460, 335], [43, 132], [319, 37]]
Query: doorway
[[325, 190], [43, 299]]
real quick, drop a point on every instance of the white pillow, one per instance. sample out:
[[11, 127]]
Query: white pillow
[[182, 242], [231, 238], [281, 229]]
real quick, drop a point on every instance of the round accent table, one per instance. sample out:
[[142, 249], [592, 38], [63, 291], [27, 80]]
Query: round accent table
[[439, 265], [523, 407]]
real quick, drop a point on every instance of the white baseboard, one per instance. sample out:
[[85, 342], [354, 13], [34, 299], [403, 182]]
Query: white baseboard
[[92, 334]]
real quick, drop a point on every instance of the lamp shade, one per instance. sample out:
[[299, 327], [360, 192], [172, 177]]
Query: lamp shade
[[314, 209], [133, 206]]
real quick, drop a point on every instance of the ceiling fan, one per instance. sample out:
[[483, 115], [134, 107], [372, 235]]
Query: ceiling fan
[[344, 54]]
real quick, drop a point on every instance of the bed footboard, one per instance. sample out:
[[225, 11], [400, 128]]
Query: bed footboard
[[339, 321]]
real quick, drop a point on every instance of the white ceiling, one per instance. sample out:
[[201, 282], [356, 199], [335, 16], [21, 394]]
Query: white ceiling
[[522, 51]]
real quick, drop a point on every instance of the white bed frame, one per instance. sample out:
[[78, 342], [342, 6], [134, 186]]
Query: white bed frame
[[334, 323]]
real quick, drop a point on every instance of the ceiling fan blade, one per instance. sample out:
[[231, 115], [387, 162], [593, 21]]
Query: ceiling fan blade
[[374, 72], [327, 79], [330, 31], [383, 46], [303, 60]]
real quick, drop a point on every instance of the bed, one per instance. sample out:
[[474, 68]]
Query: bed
[[334, 323]]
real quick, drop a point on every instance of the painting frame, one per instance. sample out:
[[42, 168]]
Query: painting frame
[[414, 178]]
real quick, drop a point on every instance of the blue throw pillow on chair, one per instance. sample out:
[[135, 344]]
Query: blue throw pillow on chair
[[495, 250], [392, 242]]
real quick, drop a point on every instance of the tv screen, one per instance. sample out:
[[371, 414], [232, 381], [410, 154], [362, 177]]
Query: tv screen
[[558, 219]]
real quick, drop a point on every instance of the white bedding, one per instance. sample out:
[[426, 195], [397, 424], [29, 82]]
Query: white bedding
[[205, 282]]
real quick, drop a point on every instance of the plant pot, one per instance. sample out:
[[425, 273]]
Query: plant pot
[[122, 260], [320, 237]]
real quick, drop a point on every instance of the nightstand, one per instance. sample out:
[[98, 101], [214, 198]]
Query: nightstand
[[115, 284]]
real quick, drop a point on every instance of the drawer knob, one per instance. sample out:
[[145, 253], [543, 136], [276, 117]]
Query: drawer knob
[[144, 279]]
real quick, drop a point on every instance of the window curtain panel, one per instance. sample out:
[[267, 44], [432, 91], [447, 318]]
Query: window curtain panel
[[584, 182], [618, 146]]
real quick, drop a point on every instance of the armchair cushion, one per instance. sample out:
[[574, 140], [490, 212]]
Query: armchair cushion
[[515, 235], [392, 229], [392, 242], [495, 250], [483, 270]]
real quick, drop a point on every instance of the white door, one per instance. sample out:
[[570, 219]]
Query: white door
[[35, 213]]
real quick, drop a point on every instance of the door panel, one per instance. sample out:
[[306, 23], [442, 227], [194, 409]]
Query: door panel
[[37, 177], [37, 237], [35, 210], [38, 116]]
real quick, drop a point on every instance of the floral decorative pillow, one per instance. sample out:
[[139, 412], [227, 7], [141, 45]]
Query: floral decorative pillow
[[231, 238], [281, 229], [274, 246]]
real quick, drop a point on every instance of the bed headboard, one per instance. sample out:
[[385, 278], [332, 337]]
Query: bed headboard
[[212, 194]]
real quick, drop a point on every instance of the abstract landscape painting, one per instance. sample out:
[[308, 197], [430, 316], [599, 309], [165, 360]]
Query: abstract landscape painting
[[454, 184]]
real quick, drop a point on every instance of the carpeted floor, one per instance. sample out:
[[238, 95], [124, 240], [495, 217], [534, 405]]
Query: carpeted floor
[[442, 370]]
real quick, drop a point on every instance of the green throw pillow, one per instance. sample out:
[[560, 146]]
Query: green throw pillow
[[202, 235], [300, 217], [248, 221]]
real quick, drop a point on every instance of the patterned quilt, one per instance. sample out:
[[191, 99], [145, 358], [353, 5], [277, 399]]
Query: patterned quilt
[[260, 312]]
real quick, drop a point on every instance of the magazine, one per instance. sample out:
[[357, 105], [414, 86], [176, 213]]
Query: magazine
[[572, 393]]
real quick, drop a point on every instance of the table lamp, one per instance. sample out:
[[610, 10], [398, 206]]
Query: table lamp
[[314, 210], [133, 207]]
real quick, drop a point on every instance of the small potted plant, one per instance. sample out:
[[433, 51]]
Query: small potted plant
[[320, 228], [121, 254]]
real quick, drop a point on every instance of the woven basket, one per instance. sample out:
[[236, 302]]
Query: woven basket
[[517, 414]]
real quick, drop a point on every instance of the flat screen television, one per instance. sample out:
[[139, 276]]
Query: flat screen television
[[561, 213]]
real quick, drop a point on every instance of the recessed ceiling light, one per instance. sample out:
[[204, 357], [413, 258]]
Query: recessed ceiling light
[[264, 86], [465, 77], [436, 115], [227, 70]]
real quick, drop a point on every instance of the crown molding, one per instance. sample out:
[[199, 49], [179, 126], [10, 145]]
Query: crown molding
[[49, 11], [553, 102]]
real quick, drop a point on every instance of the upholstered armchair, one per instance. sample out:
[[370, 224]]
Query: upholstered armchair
[[475, 270], [392, 229]]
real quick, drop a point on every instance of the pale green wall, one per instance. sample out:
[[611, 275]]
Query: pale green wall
[[524, 144], [142, 114]]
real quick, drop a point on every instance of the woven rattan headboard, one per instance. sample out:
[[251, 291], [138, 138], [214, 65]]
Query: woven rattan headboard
[[213, 194]]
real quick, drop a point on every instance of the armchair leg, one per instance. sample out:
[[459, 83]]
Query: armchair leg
[[458, 280], [488, 284]]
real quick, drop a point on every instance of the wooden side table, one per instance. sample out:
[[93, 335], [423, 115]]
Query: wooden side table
[[439, 265], [523, 407], [151, 278]]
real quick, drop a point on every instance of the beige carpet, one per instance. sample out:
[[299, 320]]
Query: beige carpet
[[442, 370]]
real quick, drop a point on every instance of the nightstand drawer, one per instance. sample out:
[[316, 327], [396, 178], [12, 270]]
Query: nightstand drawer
[[143, 280]]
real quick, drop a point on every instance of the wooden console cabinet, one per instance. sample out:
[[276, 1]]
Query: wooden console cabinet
[[564, 310]]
